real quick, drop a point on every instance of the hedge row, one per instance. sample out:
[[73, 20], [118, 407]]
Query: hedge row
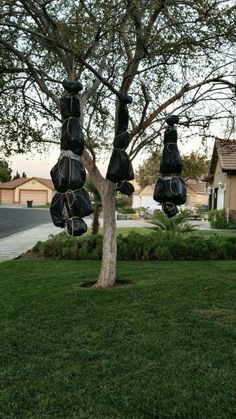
[[154, 246]]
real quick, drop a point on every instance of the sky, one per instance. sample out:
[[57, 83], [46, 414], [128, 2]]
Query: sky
[[39, 165]]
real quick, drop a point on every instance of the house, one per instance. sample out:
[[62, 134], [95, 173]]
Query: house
[[196, 195], [222, 178], [18, 191]]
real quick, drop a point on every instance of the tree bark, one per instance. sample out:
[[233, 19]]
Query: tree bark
[[95, 223], [107, 274]]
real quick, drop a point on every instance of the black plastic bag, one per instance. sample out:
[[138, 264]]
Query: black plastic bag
[[170, 160], [79, 204], [170, 134], [123, 113], [70, 106], [170, 189], [126, 188], [120, 167], [72, 86], [72, 137], [170, 209], [172, 119], [76, 226], [121, 140], [59, 211], [68, 173]]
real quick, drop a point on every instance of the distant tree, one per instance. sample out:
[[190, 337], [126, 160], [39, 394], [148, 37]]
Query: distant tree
[[195, 166], [16, 176], [5, 171], [148, 171]]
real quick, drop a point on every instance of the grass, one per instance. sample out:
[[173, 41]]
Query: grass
[[163, 347]]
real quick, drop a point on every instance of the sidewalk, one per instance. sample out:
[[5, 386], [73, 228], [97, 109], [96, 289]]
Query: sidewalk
[[12, 246]]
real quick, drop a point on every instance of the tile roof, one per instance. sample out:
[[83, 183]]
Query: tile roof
[[225, 151], [12, 184], [197, 187]]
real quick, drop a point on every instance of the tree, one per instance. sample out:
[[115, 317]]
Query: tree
[[5, 171], [16, 176], [172, 56], [195, 166], [97, 204]]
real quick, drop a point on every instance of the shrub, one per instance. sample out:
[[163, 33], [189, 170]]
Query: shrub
[[127, 210], [178, 223], [218, 220], [159, 245]]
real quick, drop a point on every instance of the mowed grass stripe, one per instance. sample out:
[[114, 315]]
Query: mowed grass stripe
[[162, 347]]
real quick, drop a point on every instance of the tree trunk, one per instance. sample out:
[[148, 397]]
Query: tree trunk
[[95, 223], [107, 274]]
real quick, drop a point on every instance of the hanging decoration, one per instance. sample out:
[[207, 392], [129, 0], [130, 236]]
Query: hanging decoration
[[120, 168], [170, 189], [71, 202]]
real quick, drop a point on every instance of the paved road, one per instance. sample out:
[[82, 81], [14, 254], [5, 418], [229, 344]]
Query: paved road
[[14, 220]]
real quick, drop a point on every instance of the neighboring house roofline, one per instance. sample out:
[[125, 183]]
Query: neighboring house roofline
[[224, 151], [13, 184], [198, 188]]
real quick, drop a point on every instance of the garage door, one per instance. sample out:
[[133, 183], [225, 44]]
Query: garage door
[[38, 197], [6, 196]]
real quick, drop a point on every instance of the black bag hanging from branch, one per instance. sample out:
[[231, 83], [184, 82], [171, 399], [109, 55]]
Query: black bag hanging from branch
[[70, 105], [68, 173], [120, 167], [170, 209], [72, 86], [59, 211], [123, 113], [126, 188], [76, 226], [79, 204], [121, 140], [72, 137], [170, 135], [170, 189], [170, 160], [70, 101]]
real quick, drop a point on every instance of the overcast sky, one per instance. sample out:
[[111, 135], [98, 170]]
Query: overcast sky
[[39, 165]]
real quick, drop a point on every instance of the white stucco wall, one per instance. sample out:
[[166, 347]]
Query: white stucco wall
[[142, 201]]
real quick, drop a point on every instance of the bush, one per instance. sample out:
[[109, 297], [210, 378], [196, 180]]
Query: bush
[[218, 220], [127, 210], [178, 223], [160, 245]]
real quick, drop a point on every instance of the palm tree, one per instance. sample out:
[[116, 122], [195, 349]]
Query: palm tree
[[179, 223], [97, 204]]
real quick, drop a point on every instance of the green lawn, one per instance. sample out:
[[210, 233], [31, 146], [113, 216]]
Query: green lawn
[[162, 347]]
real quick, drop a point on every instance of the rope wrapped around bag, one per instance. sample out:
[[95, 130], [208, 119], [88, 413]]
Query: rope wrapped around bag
[[67, 193]]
